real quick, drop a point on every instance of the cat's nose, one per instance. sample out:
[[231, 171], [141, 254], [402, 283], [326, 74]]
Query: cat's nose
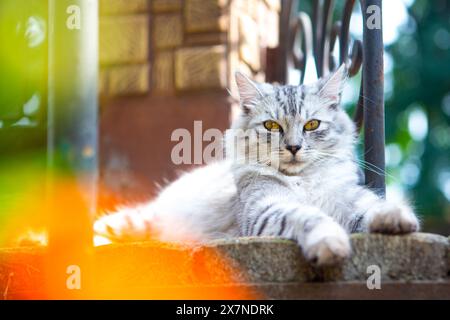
[[294, 149]]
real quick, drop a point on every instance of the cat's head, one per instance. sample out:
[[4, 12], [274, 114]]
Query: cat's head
[[301, 126]]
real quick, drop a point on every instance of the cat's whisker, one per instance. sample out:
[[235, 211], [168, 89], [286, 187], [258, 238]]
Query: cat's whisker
[[364, 164]]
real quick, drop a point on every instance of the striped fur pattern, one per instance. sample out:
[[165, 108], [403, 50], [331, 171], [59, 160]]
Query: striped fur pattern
[[313, 196]]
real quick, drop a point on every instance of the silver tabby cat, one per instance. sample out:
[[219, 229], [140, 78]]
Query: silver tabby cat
[[312, 195]]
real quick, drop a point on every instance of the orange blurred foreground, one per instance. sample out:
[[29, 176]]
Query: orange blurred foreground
[[69, 267]]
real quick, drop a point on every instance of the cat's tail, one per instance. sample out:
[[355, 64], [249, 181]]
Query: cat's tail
[[126, 225]]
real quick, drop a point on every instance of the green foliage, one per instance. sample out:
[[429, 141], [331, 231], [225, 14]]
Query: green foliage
[[421, 85]]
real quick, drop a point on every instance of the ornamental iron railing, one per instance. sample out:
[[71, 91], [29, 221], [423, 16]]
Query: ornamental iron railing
[[305, 40]]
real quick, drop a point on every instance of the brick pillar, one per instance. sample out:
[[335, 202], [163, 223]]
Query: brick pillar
[[166, 63]]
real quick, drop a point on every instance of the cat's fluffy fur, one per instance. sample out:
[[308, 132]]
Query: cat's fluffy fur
[[313, 196]]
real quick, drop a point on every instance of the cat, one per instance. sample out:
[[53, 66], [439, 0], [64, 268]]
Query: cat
[[312, 195]]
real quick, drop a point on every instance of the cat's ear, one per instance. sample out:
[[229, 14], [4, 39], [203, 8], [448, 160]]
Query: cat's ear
[[331, 87], [250, 92]]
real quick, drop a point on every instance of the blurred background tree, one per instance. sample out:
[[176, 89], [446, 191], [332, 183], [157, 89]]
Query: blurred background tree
[[418, 111]]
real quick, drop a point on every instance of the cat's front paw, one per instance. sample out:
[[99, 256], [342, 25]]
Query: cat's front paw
[[327, 244], [392, 218]]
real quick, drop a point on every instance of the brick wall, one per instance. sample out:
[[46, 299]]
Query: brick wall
[[165, 64], [124, 47], [163, 46]]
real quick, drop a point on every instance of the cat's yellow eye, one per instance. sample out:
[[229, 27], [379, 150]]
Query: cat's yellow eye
[[312, 125], [272, 126]]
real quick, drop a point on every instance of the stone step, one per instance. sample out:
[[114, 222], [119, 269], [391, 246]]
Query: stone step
[[272, 263]]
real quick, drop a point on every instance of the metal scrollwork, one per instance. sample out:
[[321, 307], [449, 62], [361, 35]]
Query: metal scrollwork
[[304, 41], [318, 42]]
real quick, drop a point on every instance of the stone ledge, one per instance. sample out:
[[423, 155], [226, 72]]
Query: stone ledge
[[415, 290], [418, 256], [410, 290], [448, 258], [248, 262]]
